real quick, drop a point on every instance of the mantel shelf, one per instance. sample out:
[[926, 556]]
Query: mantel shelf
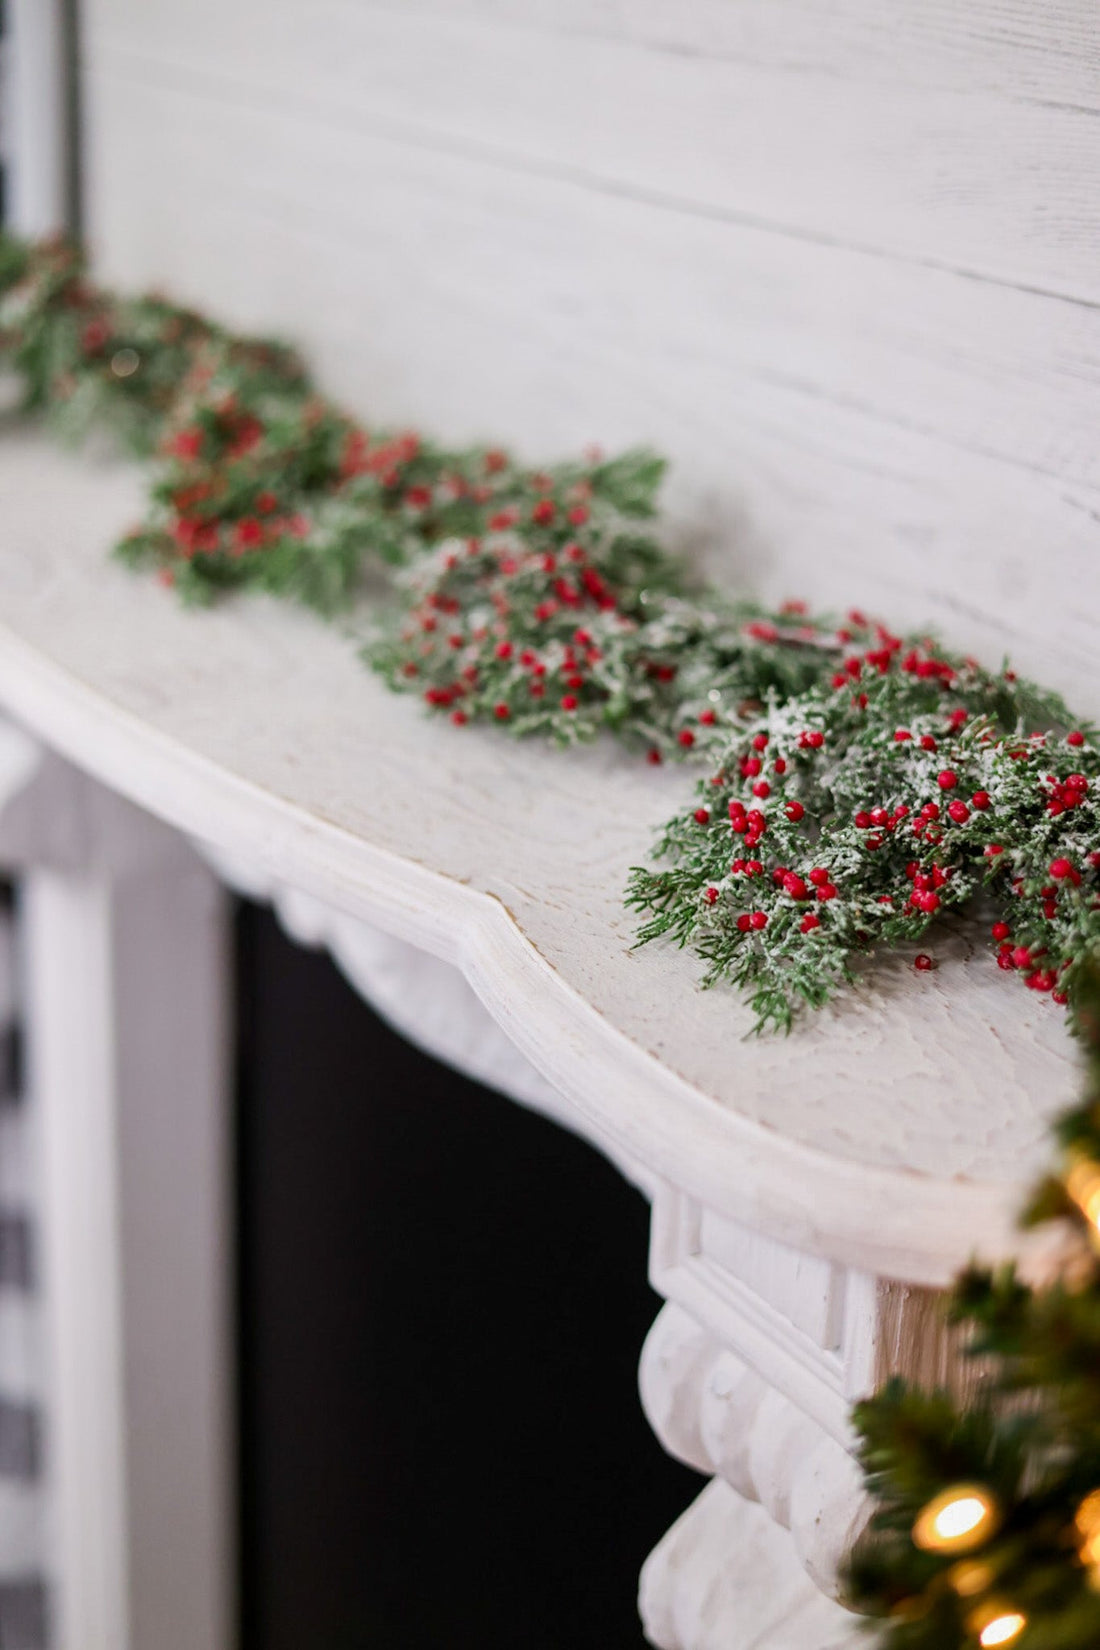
[[893, 1133]]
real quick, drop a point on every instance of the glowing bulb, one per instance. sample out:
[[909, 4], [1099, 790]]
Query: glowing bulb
[[1087, 1520], [957, 1520], [960, 1518], [1003, 1629], [1083, 1186], [969, 1577], [1087, 1516]]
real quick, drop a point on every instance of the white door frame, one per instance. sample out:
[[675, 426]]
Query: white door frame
[[34, 134]]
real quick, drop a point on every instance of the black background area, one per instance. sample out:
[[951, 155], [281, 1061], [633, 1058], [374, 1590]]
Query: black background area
[[442, 1303]]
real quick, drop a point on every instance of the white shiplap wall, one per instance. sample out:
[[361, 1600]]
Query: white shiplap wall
[[841, 262]]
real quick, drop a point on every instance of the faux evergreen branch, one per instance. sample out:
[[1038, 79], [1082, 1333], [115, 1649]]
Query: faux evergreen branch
[[857, 783], [581, 628], [852, 815]]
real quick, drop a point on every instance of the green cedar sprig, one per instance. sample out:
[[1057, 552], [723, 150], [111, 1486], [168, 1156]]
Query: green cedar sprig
[[541, 601], [851, 816]]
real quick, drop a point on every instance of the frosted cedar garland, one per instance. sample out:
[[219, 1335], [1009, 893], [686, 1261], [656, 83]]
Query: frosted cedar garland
[[856, 783], [986, 1528], [849, 816]]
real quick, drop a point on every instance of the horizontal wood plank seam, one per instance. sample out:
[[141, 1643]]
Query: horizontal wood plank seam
[[208, 84]]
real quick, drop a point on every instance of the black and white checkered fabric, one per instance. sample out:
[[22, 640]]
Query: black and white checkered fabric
[[23, 1613]]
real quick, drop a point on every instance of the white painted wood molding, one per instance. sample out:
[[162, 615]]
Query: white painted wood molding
[[33, 116], [808, 1193], [127, 983], [894, 1132]]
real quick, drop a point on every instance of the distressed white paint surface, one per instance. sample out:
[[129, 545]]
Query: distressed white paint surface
[[892, 1132], [842, 267]]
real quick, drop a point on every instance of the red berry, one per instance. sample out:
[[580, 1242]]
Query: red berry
[[501, 712], [810, 921], [702, 816], [826, 891], [863, 820], [980, 800], [992, 849], [653, 757], [1001, 931], [543, 513], [794, 812], [686, 738], [928, 743], [744, 922], [922, 962], [959, 812], [759, 919], [1075, 738], [819, 877], [760, 742], [780, 765], [459, 717], [761, 788], [1021, 957], [1004, 960], [947, 780], [1061, 868], [751, 766], [901, 735], [504, 650], [711, 895], [707, 718]]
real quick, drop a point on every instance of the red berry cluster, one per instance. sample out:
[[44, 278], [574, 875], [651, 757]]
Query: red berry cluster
[[950, 776], [860, 782]]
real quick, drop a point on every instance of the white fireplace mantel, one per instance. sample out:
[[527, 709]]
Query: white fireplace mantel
[[809, 1193]]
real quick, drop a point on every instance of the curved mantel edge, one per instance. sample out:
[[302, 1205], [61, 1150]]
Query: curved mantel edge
[[894, 1223], [426, 1000]]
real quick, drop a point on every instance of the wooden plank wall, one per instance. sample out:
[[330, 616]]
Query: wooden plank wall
[[840, 261]]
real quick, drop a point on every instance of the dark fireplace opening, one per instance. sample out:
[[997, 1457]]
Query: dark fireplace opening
[[442, 1302]]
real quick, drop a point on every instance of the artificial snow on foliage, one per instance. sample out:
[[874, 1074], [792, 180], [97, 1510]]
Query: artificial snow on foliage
[[854, 783]]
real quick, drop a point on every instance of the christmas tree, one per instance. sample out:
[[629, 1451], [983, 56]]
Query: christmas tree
[[987, 1523]]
